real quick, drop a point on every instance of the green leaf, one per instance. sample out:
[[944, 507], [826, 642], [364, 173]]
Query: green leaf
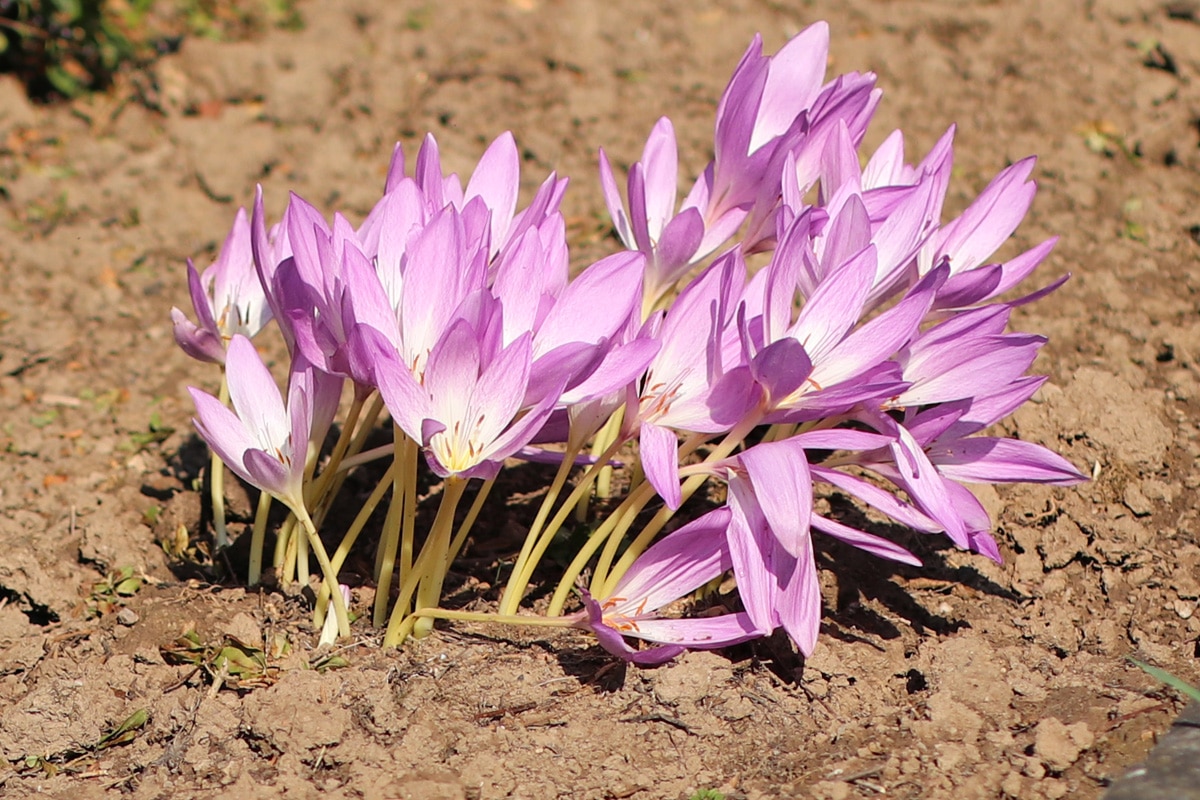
[[329, 662], [128, 587], [1178, 684], [63, 81], [240, 659], [126, 731], [71, 9]]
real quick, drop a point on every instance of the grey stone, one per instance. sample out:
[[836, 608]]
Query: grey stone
[[1172, 771]]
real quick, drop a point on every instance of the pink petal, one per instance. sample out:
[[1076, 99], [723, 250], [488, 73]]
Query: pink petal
[[496, 179], [659, 452], [780, 475], [255, 395]]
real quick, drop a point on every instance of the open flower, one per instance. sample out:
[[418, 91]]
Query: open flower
[[769, 532], [227, 297], [670, 570], [261, 440], [468, 409]]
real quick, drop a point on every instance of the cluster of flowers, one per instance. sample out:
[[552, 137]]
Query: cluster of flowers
[[868, 354]]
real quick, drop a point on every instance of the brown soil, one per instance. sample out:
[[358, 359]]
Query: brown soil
[[964, 679]]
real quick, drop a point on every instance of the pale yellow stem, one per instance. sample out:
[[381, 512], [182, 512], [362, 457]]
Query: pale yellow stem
[[258, 538], [339, 602], [429, 592], [390, 541], [518, 583], [217, 480], [356, 529]]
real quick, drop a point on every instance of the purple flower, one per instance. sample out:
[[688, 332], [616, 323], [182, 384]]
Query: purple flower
[[769, 533], [763, 102], [261, 440], [227, 297], [669, 241], [685, 387], [671, 569], [935, 452], [468, 410], [493, 186]]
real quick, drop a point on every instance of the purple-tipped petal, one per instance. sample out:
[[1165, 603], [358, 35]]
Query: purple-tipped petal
[[679, 563], [496, 180], [751, 550], [254, 394], [660, 163], [800, 601], [612, 199], [199, 343]]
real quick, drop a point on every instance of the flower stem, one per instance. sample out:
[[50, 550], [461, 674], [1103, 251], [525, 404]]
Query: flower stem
[[430, 590], [390, 542], [366, 425], [507, 604], [468, 522], [217, 481], [406, 628], [632, 504], [618, 533], [518, 582], [407, 475], [638, 546], [610, 433], [339, 602], [324, 489], [283, 545], [356, 528], [302, 566], [365, 457], [400, 623], [258, 537]]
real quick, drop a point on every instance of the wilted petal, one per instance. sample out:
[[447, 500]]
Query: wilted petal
[[614, 642]]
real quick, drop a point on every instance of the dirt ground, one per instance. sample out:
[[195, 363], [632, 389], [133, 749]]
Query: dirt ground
[[963, 679]]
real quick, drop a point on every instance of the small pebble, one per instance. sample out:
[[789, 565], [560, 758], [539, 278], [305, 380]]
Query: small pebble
[[127, 617]]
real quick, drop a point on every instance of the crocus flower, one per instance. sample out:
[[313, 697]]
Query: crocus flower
[[468, 410], [936, 451], [261, 439], [669, 241], [769, 531], [764, 100], [494, 185], [678, 392], [671, 569], [227, 297]]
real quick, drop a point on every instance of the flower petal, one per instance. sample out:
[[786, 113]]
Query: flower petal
[[659, 451], [782, 483]]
